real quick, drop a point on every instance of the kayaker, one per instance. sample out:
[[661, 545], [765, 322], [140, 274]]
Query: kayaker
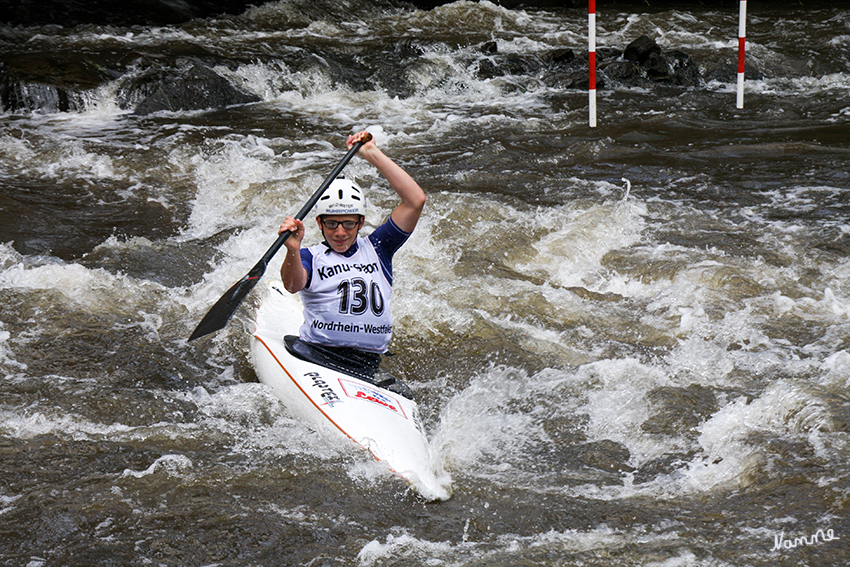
[[346, 281]]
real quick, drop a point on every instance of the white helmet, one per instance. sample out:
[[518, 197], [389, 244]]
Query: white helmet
[[342, 197]]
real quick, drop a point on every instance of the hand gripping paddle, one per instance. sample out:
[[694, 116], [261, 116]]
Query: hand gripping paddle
[[220, 313]]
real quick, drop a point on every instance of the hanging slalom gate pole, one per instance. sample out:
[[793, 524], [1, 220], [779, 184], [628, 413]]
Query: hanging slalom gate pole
[[591, 47], [742, 34]]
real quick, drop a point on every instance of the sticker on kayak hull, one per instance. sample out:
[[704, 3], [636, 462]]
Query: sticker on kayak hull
[[327, 393], [360, 391]]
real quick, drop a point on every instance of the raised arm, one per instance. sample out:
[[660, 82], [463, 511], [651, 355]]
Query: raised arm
[[407, 213]]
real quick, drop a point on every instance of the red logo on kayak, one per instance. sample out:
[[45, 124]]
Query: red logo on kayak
[[364, 392]]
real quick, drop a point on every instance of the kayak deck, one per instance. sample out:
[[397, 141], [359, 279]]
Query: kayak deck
[[348, 361], [338, 401]]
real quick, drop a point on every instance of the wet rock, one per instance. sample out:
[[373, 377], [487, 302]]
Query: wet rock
[[563, 68], [643, 62], [64, 82], [17, 96], [685, 73], [656, 66], [193, 86], [623, 72], [171, 12], [47, 82], [506, 65], [112, 12], [563, 56], [642, 50], [499, 65]]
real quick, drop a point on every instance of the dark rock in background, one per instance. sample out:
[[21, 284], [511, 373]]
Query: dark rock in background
[[48, 82], [52, 82], [112, 12], [641, 63], [643, 59], [170, 12], [642, 50], [186, 78], [191, 86]]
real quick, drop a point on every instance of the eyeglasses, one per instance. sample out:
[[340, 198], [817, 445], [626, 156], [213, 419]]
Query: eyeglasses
[[333, 224]]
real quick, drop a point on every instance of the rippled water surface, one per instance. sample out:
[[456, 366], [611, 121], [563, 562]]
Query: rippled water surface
[[630, 344]]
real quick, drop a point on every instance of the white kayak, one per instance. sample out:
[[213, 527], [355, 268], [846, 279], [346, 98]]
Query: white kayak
[[376, 418]]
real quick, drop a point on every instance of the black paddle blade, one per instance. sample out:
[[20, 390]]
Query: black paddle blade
[[220, 313]]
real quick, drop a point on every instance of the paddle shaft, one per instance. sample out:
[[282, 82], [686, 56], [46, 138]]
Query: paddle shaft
[[220, 313], [312, 202]]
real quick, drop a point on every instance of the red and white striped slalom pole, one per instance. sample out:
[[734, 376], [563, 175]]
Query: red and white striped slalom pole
[[591, 47], [742, 34]]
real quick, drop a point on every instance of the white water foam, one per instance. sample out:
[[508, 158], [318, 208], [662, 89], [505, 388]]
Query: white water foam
[[7, 355], [94, 289], [481, 432], [28, 423], [7, 503], [401, 547], [172, 465]]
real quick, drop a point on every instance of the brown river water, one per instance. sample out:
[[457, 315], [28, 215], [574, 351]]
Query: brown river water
[[630, 344]]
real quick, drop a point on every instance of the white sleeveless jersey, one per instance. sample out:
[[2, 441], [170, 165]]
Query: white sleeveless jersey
[[348, 303]]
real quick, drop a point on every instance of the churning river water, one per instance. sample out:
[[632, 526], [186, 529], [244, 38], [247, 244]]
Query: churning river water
[[630, 344]]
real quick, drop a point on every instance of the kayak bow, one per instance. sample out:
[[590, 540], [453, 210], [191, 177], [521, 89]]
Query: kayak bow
[[378, 419]]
